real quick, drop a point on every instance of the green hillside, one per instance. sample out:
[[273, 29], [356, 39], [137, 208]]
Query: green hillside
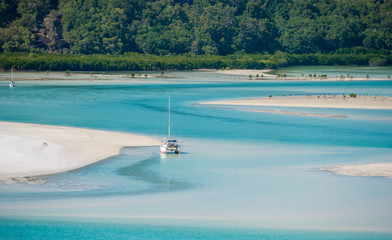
[[193, 28]]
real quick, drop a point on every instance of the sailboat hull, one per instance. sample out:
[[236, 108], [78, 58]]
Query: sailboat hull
[[165, 148]]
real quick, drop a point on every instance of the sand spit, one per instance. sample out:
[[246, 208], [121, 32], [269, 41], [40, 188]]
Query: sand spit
[[325, 101], [299, 113], [365, 170], [32, 149]]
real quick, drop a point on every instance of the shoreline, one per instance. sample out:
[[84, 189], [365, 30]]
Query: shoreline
[[32, 149], [242, 74], [265, 74], [311, 101]]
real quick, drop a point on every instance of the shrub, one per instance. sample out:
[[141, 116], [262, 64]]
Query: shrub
[[377, 61]]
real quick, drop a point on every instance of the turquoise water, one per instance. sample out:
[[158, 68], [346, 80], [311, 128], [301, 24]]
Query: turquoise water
[[242, 174], [39, 229]]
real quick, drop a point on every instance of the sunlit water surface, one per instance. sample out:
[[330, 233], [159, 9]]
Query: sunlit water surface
[[242, 174]]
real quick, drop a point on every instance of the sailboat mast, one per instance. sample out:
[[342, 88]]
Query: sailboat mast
[[169, 117]]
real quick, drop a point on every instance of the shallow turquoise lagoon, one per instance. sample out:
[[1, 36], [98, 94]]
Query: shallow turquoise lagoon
[[242, 174]]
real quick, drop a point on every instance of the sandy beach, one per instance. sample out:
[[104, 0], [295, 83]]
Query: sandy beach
[[141, 77], [365, 170], [32, 149], [323, 101]]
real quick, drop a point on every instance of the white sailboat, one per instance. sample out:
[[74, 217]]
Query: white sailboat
[[12, 83], [169, 144]]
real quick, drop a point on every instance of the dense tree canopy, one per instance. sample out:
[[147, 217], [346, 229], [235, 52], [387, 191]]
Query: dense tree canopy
[[203, 27]]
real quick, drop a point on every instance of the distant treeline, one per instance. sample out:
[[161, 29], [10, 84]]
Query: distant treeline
[[137, 61], [202, 27]]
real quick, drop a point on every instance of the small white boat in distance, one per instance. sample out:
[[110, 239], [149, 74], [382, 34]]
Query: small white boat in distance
[[171, 145], [12, 83]]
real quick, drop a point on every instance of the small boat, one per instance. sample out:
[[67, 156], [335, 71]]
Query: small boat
[[12, 83], [171, 145]]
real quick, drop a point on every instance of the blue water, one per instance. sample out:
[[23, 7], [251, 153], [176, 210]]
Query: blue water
[[242, 174]]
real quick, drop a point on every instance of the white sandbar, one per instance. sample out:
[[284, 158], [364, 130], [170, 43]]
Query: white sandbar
[[374, 170], [32, 149], [326, 101]]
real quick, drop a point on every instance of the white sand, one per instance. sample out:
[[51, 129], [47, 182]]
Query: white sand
[[31, 149], [359, 102], [375, 169]]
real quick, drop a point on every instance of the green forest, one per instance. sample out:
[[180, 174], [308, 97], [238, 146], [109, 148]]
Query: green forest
[[185, 34]]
